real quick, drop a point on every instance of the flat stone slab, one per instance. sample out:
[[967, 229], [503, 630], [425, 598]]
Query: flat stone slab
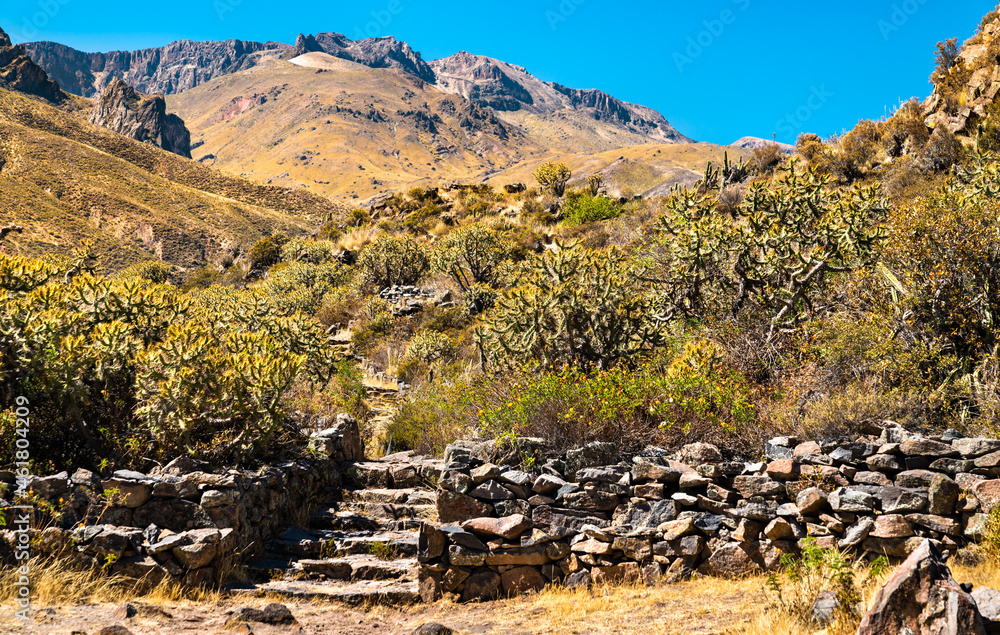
[[384, 592]]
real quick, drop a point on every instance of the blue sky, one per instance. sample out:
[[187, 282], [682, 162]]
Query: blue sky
[[717, 69]]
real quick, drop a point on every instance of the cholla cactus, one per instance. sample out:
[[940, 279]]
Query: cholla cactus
[[473, 255], [578, 307], [594, 183], [773, 252], [391, 261], [553, 177]]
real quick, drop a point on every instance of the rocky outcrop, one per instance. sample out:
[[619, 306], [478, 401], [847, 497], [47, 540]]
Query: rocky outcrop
[[922, 598], [508, 88], [378, 52], [18, 72], [141, 117], [167, 70]]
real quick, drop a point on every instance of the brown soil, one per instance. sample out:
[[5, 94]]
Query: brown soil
[[701, 607]]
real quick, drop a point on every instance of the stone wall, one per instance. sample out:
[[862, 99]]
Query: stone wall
[[183, 521], [589, 518]]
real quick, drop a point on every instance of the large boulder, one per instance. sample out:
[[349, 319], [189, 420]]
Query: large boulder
[[342, 442], [922, 598], [141, 117]]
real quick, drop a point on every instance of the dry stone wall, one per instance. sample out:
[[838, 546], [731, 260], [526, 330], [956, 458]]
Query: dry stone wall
[[590, 518], [182, 521]]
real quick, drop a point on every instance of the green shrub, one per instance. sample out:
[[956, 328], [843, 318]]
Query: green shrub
[[154, 271], [266, 252], [392, 261], [584, 208]]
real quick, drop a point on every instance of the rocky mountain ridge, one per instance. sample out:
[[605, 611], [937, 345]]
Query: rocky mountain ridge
[[141, 117], [510, 88], [487, 82], [18, 72]]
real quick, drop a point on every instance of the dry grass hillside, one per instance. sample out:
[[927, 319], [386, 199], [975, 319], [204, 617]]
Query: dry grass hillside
[[65, 180], [343, 129], [637, 169]]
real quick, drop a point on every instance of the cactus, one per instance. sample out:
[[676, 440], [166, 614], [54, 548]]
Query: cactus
[[473, 255], [579, 307], [773, 253], [553, 177], [391, 261]]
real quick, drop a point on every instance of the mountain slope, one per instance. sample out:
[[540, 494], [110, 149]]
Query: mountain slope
[[582, 119], [342, 128], [577, 120], [65, 180]]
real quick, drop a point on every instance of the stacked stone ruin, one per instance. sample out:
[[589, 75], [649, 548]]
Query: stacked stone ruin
[[491, 520], [505, 531]]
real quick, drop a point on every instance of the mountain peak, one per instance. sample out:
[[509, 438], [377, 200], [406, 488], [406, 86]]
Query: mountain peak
[[141, 117], [5, 39]]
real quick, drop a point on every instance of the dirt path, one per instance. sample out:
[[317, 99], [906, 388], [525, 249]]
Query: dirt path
[[704, 607]]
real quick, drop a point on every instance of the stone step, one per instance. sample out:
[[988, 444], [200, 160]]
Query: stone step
[[354, 516], [385, 545], [357, 567], [405, 496], [381, 592], [390, 511]]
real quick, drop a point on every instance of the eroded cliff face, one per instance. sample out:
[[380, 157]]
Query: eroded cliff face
[[168, 69], [377, 52], [141, 117], [18, 72]]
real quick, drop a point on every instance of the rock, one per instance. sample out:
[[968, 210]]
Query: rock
[[578, 580], [857, 533], [195, 556], [609, 474], [943, 494], [510, 527], [897, 500], [825, 607], [430, 542], [646, 515], [547, 484], [891, 526], [455, 507], [459, 556], [624, 572], [491, 491], [675, 529], [811, 501], [273, 614], [974, 448], [643, 471], [521, 580], [922, 598], [461, 537], [781, 529], [885, 463], [734, 560], [130, 494], [536, 555], [851, 500], [592, 546], [782, 469], [919, 446], [699, 453], [19, 73], [483, 584], [988, 494], [591, 455], [432, 629], [594, 500], [988, 602], [141, 117], [750, 486], [915, 479], [939, 524], [114, 630]]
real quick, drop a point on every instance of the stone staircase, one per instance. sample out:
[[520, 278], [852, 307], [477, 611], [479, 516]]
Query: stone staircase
[[362, 548]]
